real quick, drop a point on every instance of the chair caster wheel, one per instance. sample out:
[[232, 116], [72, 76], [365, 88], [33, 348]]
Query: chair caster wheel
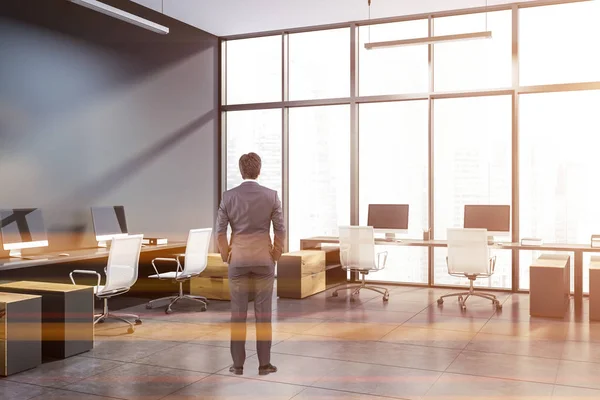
[[168, 311], [100, 321], [498, 306], [138, 321], [352, 298], [463, 307], [148, 306], [460, 299], [334, 294], [440, 301], [203, 309], [130, 330], [386, 298]]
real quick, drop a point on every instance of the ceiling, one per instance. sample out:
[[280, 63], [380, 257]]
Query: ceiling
[[234, 17]]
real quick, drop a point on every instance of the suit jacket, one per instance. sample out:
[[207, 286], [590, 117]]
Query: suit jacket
[[250, 209]]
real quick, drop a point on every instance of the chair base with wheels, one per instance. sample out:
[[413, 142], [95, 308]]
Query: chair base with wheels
[[105, 314], [464, 296], [362, 285], [174, 299]]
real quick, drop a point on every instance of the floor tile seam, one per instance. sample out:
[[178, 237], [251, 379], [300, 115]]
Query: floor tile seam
[[165, 319], [526, 355], [299, 393], [438, 329], [250, 354], [553, 390], [311, 386], [359, 393], [423, 345], [557, 372], [90, 394], [359, 362], [183, 387], [175, 344], [517, 355], [121, 363], [453, 361], [578, 387], [176, 341], [372, 341], [499, 378], [389, 343], [44, 388], [222, 373]]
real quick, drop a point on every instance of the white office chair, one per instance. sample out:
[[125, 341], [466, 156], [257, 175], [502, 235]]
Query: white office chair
[[196, 258], [469, 256], [121, 273], [357, 254]]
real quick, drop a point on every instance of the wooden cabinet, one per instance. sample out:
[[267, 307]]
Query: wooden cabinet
[[550, 286], [67, 316], [20, 332], [301, 274]]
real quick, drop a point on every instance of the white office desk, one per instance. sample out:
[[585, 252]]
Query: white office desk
[[576, 249]]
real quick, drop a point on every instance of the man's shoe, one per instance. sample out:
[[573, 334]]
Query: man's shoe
[[236, 370], [267, 369]]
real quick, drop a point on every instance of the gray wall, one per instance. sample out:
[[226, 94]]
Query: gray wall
[[95, 111]]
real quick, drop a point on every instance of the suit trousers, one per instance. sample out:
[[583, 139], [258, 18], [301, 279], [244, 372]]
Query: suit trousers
[[243, 280]]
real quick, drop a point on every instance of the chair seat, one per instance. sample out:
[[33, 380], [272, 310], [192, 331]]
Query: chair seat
[[171, 275], [100, 291], [359, 269]]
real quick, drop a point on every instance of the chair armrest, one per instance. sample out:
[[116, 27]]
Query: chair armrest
[[344, 255], [492, 264], [175, 260], [85, 272], [381, 265]]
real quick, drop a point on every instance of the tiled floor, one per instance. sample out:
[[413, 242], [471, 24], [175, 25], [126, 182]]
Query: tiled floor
[[332, 348]]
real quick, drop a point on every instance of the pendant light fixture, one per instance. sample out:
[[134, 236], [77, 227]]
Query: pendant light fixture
[[486, 34]]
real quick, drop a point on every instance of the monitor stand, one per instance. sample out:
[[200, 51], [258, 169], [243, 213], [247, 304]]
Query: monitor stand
[[15, 253], [390, 237]]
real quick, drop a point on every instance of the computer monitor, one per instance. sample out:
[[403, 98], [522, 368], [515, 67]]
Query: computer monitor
[[494, 218], [109, 222], [388, 218], [22, 228]]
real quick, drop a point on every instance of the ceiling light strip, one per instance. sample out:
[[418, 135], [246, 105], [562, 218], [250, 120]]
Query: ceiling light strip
[[122, 15], [428, 40]]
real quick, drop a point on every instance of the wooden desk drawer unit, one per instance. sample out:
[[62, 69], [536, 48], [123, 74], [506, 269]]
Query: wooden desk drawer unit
[[215, 267], [20, 332], [67, 316], [301, 274], [595, 289], [213, 288], [213, 282], [550, 286]]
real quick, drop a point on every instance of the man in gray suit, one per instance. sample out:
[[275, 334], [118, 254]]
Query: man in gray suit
[[249, 209]]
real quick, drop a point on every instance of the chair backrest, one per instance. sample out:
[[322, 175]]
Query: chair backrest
[[468, 251], [196, 251], [357, 247], [123, 262]]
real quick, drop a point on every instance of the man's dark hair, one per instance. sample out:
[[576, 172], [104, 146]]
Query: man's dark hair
[[250, 165]]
